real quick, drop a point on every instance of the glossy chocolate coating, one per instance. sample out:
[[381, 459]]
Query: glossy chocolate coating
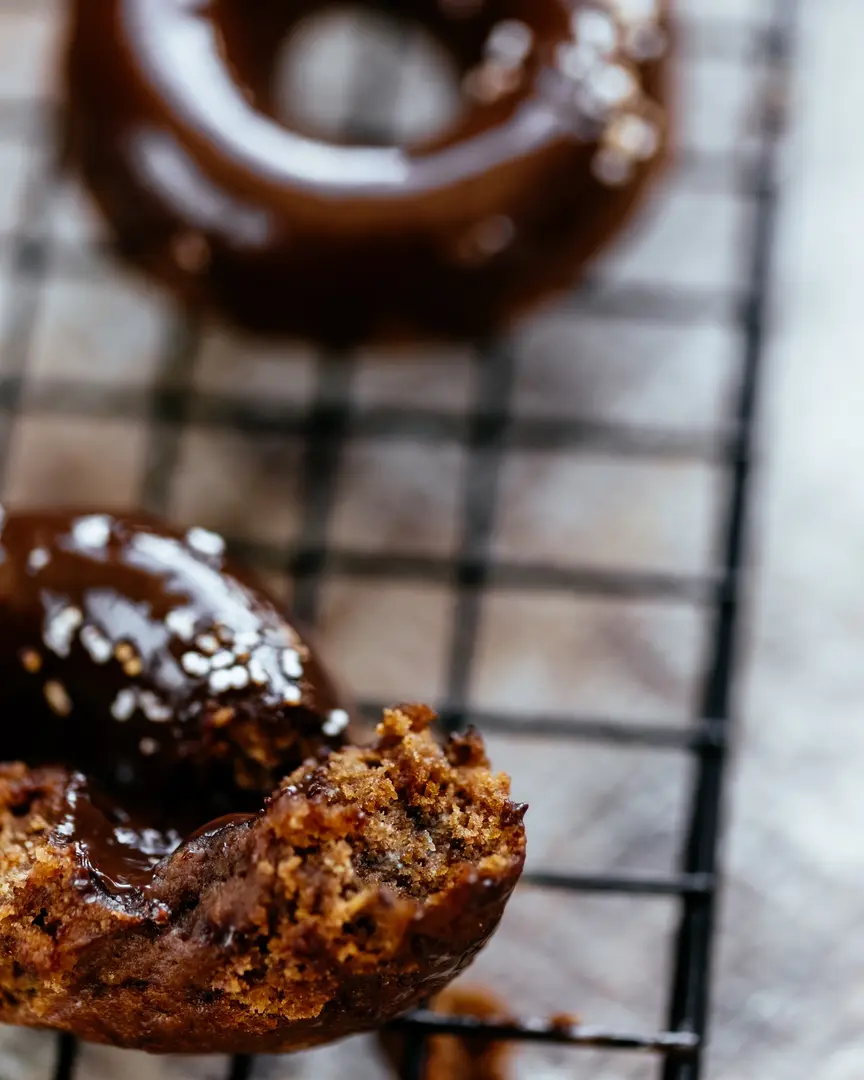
[[172, 124], [136, 657]]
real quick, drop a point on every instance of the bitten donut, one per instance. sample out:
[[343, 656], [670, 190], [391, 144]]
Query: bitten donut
[[193, 855], [172, 123]]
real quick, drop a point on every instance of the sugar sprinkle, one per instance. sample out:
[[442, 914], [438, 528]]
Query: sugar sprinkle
[[335, 723], [205, 542], [291, 663], [124, 704], [57, 697], [60, 629], [181, 621], [97, 644], [93, 531], [195, 664], [38, 559]]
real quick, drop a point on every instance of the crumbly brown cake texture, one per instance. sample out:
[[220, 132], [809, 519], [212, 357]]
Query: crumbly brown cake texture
[[457, 1057], [368, 880]]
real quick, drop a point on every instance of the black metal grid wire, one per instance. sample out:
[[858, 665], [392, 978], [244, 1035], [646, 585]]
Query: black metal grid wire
[[490, 429]]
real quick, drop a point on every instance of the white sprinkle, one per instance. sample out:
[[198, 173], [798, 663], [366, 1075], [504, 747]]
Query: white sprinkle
[[220, 681], [96, 644], [510, 43], [292, 695], [61, 629], [613, 86], [38, 559], [125, 704], [291, 663], [257, 672], [239, 677], [154, 707], [148, 747], [58, 698], [195, 664], [223, 659], [597, 30], [335, 723], [93, 531], [181, 621], [208, 644], [246, 639], [575, 61], [205, 542]]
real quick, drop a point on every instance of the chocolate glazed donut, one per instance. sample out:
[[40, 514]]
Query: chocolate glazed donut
[[173, 125], [163, 884], [144, 656]]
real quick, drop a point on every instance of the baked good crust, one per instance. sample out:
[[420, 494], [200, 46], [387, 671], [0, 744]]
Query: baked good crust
[[368, 881]]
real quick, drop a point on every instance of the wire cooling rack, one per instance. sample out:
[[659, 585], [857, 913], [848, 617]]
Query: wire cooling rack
[[424, 513]]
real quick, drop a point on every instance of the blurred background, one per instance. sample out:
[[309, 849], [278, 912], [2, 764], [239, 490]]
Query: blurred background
[[353, 482]]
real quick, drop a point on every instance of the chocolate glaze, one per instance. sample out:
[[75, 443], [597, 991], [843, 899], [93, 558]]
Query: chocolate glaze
[[173, 125], [113, 850], [169, 685]]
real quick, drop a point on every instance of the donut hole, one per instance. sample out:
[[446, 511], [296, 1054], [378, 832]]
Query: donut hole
[[353, 74], [412, 73]]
